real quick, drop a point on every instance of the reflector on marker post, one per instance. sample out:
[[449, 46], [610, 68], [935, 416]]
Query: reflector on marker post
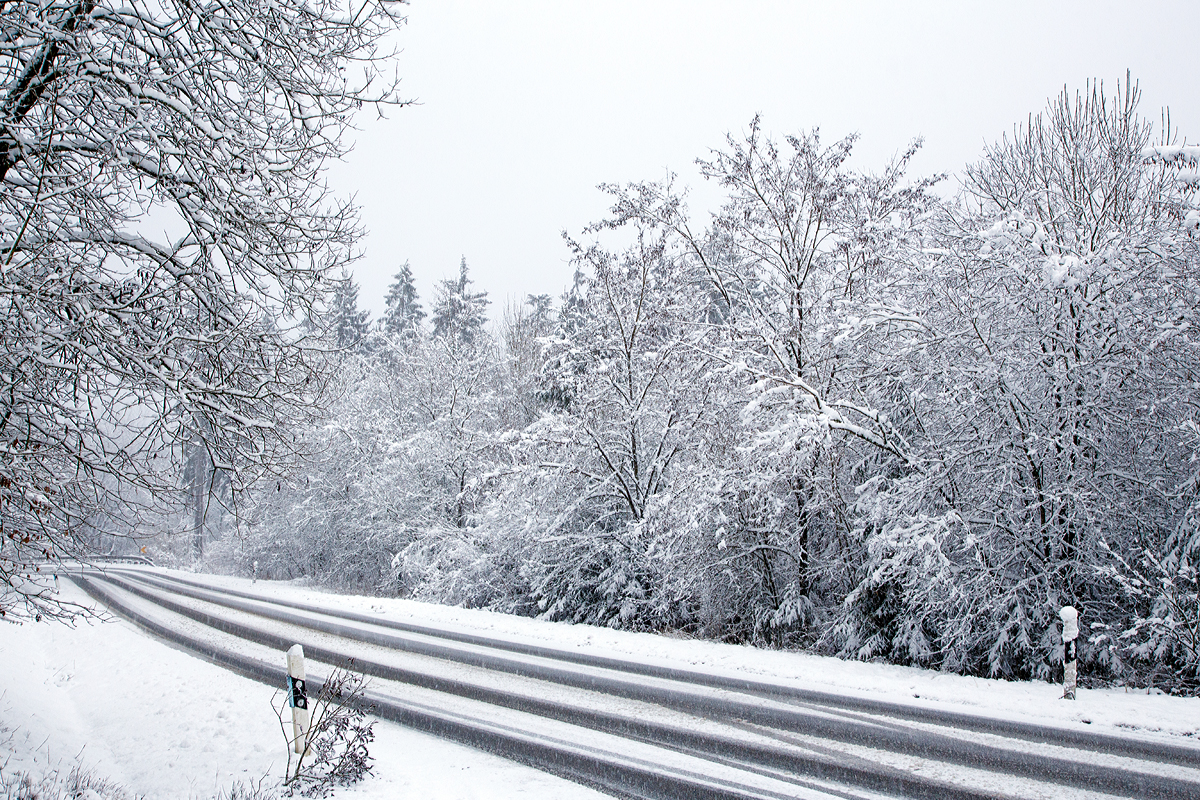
[[297, 696], [1070, 621]]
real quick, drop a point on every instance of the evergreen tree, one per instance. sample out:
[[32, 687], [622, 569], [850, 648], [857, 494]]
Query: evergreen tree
[[347, 324], [563, 362], [541, 305], [404, 314], [459, 313]]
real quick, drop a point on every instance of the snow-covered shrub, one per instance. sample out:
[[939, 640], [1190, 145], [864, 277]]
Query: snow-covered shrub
[[1160, 639], [338, 738]]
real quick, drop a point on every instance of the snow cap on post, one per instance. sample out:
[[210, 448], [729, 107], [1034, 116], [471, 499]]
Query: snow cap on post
[[295, 661], [1070, 620], [297, 698]]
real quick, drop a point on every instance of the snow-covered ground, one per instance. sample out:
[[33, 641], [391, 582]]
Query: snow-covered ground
[[168, 725], [165, 724]]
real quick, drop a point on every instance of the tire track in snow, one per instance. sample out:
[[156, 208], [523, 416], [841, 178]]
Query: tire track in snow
[[754, 710]]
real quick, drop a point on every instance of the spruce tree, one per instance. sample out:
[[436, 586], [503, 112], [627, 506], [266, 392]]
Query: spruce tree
[[404, 314], [347, 324], [459, 312]]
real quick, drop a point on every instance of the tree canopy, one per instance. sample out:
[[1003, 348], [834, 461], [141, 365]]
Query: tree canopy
[[839, 412], [212, 122]]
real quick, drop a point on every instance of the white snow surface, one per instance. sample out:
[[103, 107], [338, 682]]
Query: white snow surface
[[167, 724]]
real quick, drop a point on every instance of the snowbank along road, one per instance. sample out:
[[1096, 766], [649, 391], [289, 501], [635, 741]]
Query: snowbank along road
[[644, 730]]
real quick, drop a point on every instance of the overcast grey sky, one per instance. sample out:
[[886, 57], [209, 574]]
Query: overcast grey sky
[[526, 105]]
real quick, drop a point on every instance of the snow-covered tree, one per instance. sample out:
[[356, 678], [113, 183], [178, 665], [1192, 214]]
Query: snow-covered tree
[[563, 363], [346, 322], [1049, 377], [524, 329], [609, 458], [340, 516], [458, 312], [802, 247], [400, 467], [120, 346], [403, 315]]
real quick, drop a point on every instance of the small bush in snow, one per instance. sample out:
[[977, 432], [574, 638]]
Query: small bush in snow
[[338, 739]]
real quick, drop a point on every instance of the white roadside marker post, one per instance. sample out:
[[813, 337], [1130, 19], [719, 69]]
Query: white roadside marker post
[[1070, 621], [297, 696]]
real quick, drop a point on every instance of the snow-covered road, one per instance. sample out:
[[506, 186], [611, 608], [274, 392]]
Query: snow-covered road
[[163, 724], [647, 726]]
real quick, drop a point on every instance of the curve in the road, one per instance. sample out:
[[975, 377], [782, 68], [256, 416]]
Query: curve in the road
[[618, 778], [1091, 776], [875, 777]]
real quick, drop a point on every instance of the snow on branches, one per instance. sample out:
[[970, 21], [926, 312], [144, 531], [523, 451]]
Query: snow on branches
[[211, 121]]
